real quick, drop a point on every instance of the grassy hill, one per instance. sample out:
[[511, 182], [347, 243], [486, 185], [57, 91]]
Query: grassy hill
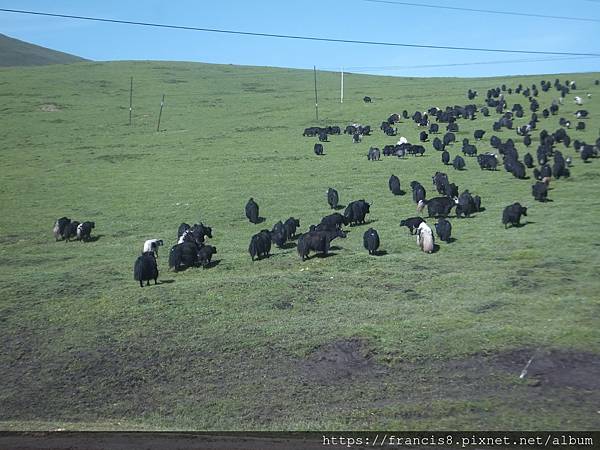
[[14, 52], [406, 340]]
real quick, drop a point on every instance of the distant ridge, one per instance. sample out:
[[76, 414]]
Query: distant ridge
[[14, 52]]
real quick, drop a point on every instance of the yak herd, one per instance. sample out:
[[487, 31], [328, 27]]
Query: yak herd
[[191, 249]]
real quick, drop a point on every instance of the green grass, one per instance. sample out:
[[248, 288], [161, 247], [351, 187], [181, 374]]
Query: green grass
[[256, 345]]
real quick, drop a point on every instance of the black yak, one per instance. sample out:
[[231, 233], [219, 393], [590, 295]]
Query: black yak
[[145, 269], [252, 211], [371, 241]]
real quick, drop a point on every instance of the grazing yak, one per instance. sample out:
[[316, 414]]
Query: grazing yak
[[443, 229], [478, 134], [587, 152], [59, 227], [252, 211], [425, 238], [540, 191], [528, 160], [70, 230], [469, 150], [334, 221], [278, 236], [151, 245], [458, 163], [367, 99], [182, 229], [412, 223], [512, 214], [317, 241], [374, 154], [438, 144], [260, 245], [356, 211], [290, 226], [84, 231], [371, 241], [437, 206], [440, 181], [205, 254], [145, 269], [318, 149], [466, 205], [189, 254], [418, 191], [196, 234], [449, 138], [445, 157], [394, 184], [332, 198], [183, 255]]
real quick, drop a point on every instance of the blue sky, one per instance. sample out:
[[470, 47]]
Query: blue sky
[[349, 19]]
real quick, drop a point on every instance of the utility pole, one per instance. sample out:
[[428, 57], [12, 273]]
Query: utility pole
[[342, 87], [316, 97], [130, 100], [162, 103]]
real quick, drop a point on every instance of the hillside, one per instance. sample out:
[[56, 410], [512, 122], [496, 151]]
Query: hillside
[[403, 340], [14, 52]]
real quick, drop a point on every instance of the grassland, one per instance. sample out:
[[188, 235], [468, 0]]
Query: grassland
[[406, 340], [14, 52]]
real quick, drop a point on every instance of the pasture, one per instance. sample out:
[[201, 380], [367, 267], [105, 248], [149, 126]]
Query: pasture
[[405, 340]]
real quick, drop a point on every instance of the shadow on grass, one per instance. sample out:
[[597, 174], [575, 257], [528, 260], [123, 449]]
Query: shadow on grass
[[166, 281], [521, 225], [322, 255], [260, 258], [212, 264], [288, 245], [379, 253], [94, 238], [451, 240]]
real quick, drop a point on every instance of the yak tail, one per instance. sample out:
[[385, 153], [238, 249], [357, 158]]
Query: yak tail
[[420, 206], [138, 269], [302, 247], [174, 257], [252, 249]]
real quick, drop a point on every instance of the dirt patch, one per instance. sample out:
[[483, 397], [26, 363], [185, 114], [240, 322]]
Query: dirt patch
[[554, 368], [486, 307], [257, 88], [340, 360], [50, 107], [283, 305], [265, 128], [10, 238], [122, 157]]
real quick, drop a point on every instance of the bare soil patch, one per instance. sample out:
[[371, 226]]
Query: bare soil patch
[[345, 359], [50, 107], [554, 368]]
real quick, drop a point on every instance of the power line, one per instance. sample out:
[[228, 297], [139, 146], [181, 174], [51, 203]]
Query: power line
[[477, 63], [486, 11], [285, 36]]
